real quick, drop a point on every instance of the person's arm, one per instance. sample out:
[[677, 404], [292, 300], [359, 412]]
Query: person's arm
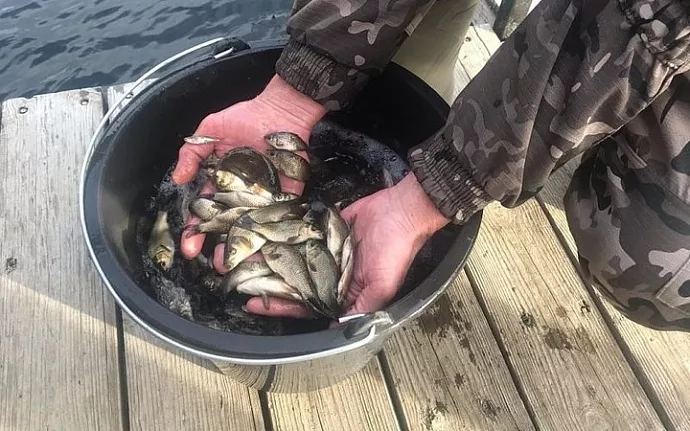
[[335, 46], [571, 74]]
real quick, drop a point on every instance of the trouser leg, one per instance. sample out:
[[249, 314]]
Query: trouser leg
[[632, 235]]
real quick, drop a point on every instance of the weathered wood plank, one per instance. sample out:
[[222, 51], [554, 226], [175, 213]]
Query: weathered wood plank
[[657, 355], [449, 373], [58, 338], [174, 390], [572, 371], [509, 16], [358, 403]]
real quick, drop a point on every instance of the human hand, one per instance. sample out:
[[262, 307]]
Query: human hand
[[389, 228], [278, 108]]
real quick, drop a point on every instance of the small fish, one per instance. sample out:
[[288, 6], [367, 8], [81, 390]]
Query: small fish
[[252, 166], [212, 283], [161, 247], [240, 244], [336, 231], [278, 212], [243, 272], [266, 286], [175, 298], [285, 197], [346, 253], [288, 263], [206, 208], [241, 199], [201, 140], [287, 232], [290, 164], [347, 272], [324, 273], [286, 141], [221, 223]]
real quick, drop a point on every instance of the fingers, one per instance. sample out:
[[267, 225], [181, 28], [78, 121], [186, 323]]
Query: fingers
[[218, 255], [277, 307], [372, 299], [191, 244], [189, 158]]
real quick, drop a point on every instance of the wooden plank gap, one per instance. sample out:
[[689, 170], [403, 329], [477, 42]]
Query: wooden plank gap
[[122, 371], [636, 367], [393, 393], [519, 386], [266, 411]]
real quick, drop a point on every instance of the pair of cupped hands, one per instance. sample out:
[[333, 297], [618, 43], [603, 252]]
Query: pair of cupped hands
[[388, 227]]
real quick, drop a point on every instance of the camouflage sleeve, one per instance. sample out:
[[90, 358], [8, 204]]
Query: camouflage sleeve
[[336, 45], [571, 74]]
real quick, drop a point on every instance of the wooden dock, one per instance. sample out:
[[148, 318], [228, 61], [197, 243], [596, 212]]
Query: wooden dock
[[518, 342]]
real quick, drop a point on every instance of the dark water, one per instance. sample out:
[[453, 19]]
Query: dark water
[[55, 45]]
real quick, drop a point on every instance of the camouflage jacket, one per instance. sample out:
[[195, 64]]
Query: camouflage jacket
[[574, 72]]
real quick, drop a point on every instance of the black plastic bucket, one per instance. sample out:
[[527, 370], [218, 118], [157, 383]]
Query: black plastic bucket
[[133, 150]]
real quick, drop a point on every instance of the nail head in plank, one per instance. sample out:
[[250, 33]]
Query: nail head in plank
[[572, 371], [658, 354], [58, 339], [449, 372]]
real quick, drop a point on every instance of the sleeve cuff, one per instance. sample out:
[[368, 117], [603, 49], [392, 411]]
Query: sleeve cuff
[[315, 75], [449, 185]]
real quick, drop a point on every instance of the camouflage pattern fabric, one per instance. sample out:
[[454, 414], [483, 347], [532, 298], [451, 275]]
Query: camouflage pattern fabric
[[610, 78]]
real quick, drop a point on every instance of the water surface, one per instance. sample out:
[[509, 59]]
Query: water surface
[[55, 45]]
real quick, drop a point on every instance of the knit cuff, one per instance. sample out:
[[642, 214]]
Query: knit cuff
[[328, 82], [447, 182]]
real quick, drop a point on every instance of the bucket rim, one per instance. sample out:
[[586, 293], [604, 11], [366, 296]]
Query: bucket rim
[[404, 309]]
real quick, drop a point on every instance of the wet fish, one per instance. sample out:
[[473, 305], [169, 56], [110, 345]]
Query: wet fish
[[161, 247], [206, 208], [287, 232], [201, 140], [346, 252], [336, 231], [266, 286], [290, 164], [287, 262], [286, 141], [243, 272], [221, 223], [347, 272], [175, 298], [241, 199], [251, 166], [277, 212], [240, 244], [212, 283], [324, 273], [285, 197]]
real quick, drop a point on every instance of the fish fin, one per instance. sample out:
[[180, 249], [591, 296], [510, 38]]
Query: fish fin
[[264, 297]]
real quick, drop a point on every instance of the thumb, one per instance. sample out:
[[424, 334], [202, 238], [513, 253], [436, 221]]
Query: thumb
[[189, 158]]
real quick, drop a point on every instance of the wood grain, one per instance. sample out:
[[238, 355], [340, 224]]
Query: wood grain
[[448, 371], [359, 403], [657, 355], [171, 389], [572, 371], [58, 339]]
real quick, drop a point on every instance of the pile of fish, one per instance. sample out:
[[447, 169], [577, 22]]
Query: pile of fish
[[277, 244]]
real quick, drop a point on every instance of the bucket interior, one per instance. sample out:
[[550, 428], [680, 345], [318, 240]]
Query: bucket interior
[[142, 142]]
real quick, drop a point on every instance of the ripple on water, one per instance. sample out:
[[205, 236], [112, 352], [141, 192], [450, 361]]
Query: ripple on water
[[54, 46]]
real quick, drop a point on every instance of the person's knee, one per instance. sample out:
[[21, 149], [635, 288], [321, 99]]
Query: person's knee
[[629, 250]]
